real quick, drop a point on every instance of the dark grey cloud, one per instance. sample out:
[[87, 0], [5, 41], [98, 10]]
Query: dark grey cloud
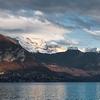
[[16, 30], [50, 6], [52, 11], [12, 30], [89, 7], [81, 23]]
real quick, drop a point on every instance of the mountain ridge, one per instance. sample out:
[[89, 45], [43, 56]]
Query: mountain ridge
[[6, 39], [19, 65], [39, 45], [13, 57], [73, 59], [35, 45]]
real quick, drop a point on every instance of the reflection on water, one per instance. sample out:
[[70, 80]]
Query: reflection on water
[[82, 91], [50, 91]]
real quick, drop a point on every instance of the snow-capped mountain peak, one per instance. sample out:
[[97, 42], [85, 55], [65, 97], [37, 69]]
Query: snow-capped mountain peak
[[92, 50], [39, 45], [71, 47]]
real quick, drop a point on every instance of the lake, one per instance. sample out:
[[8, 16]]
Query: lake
[[49, 91]]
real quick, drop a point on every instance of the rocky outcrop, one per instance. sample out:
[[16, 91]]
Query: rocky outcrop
[[10, 51], [12, 55]]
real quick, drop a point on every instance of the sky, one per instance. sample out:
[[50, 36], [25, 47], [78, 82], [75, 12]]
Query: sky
[[66, 22]]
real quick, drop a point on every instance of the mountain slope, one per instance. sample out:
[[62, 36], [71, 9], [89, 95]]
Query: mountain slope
[[10, 51], [73, 59], [96, 50], [6, 39], [18, 65], [13, 57]]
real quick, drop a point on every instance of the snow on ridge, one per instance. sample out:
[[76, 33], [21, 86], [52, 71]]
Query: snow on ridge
[[25, 44], [92, 50], [39, 45], [71, 47]]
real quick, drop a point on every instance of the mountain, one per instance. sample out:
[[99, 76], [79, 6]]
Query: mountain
[[12, 53], [17, 64], [71, 47], [39, 45], [35, 45], [92, 50], [82, 66], [71, 64], [88, 62]]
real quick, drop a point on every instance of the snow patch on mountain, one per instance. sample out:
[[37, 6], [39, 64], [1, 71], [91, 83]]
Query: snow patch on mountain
[[92, 50], [71, 47], [39, 45], [35, 45]]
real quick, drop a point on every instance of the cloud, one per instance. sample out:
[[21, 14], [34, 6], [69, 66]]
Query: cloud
[[69, 41], [38, 13], [83, 22], [54, 6], [25, 26], [65, 40], [16, 26], [50, 19], [55, 11], [34, 24], [93, 32]]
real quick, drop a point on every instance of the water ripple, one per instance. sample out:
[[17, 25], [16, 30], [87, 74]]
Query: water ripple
[[50, 91]]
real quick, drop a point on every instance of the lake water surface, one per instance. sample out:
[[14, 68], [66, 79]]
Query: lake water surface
[[49, 91]]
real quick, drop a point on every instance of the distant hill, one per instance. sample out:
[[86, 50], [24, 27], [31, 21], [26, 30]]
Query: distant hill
[[89, 61]]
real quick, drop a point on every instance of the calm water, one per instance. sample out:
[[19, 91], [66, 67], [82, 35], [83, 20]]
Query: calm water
[[49, 91]]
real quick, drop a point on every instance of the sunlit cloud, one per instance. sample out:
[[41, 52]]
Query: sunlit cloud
[[31, 26]]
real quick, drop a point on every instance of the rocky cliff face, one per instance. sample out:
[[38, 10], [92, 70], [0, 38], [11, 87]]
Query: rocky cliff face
[[11, 54], [10, 51]]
